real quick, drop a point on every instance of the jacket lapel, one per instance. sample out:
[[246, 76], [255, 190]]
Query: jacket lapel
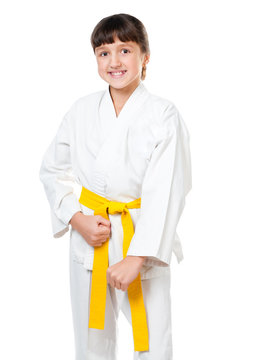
[[112, 128]]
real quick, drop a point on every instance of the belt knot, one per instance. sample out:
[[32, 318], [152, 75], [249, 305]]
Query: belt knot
[[116, 207]]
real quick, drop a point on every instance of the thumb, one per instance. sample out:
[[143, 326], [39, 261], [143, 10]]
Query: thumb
[[103, 221]]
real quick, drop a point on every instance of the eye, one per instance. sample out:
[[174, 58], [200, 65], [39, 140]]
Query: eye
[[125, 50], [104, 52]]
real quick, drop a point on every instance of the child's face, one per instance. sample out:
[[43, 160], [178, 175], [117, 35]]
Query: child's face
[[120, 63]]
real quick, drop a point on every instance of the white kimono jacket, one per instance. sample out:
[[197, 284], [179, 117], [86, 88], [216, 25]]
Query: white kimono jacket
[[144, 152]]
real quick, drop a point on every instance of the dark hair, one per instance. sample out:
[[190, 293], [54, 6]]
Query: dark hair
[[126, 28]]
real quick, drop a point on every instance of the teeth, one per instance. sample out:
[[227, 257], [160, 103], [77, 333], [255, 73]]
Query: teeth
[[118, 73]]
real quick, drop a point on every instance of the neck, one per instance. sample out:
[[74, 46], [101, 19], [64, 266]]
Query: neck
[[120, 96]]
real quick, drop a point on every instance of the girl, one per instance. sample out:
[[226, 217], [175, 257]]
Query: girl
[[129, 151]]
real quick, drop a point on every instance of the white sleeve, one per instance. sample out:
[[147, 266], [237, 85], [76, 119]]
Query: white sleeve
[[57, 177], [166, 183]]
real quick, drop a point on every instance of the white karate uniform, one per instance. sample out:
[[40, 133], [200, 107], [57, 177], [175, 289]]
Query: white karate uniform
[[144, 152], [95, 344]]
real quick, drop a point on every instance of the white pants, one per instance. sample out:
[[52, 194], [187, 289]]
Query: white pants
[[95, 344]]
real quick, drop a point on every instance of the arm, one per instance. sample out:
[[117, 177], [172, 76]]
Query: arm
[[58, 180], [166, 183]]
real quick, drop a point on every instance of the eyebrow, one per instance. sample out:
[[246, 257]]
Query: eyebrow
[[121, 44]]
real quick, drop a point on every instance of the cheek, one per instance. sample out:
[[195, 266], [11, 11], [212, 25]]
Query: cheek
[[135, 65], [101, 66]]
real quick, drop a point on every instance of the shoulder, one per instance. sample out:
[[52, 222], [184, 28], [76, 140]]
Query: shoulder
[[86, 101], [161, 106], [82, 108], [165, 113]]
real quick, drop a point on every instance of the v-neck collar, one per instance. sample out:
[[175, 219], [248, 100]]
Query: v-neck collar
[[131, 100]]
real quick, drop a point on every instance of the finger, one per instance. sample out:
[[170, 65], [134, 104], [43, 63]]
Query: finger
[[110, 280], [103, 230], [124, 287], [102, 238], [112, 283], [103, 221], [117, 284], [98, 244]]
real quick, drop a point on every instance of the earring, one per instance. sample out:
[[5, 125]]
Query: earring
[[143, 73]]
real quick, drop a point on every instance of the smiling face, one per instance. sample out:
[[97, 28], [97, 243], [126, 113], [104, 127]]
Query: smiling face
[[120, 64]]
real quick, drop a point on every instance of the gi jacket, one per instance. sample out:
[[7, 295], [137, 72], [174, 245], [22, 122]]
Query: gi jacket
[[144, 152]]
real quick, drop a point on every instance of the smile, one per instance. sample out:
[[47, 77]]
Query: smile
[[117, 74]]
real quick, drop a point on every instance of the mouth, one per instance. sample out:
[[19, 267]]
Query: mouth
[[117, 74]]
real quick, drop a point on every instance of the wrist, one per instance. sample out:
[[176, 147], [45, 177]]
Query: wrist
[[75, 218], [140, 258]]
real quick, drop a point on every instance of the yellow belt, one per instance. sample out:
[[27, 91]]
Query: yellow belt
[[101, 206]]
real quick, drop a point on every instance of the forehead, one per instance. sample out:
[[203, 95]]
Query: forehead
[[117, 44]]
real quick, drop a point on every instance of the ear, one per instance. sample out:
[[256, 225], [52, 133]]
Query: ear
[[146, 59]]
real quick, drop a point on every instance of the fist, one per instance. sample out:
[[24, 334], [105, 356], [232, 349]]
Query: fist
[[95, 229], [120, 275]]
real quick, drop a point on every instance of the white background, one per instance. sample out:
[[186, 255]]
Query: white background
[[205, 57]]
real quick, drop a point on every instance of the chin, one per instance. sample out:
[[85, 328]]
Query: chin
[[117, 86]]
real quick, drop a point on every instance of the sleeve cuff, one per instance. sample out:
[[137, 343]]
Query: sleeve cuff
[[61, 216], [151, 260], [68, 207], [58, 227]]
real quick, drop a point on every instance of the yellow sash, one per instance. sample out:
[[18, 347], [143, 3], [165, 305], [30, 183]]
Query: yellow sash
[[103, 207]]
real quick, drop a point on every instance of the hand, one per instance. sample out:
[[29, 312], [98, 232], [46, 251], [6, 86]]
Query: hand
[[95, 229], [120, 275]]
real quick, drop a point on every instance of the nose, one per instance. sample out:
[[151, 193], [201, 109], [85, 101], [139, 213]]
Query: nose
[[115, 61]]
